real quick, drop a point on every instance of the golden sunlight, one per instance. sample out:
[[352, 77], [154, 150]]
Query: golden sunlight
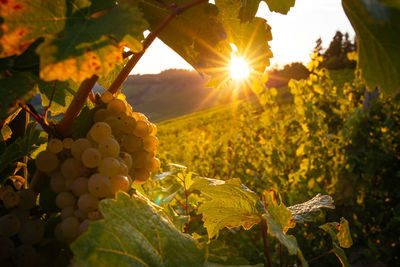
[[239, 68]]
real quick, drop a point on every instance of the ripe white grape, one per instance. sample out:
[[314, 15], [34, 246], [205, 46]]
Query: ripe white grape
[[70, 168], [21, 214], [70, 227], [84, 226], [139, 159], [152, 164], [114, 123], [46, 161], [6, 248], [150, 143], [25, 256], [95, 215], [27, 199], [153, 129], [87, 203], [91, 157], [99, 185], [65, 199], [55, 145], [11, 199], [128, 124], [142, 129], [119, 183], [31, 232], [67, 212], [116, 106], [123, 169], [57, 182], [79, 186], [101, 115], [109, 147], [132, 143], [106, 97], [78, 146], [140, 176], [4, 189], [99, 131], [80, 214], [109, 166], [67, 142], [127, 158], [9, 225]]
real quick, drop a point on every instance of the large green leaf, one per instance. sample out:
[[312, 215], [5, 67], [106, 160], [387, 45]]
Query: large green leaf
[[82, 38], [377, 27], [249, 7], [305, 212], [231, 204], [279, 220], [133, 233], [16, 89], [341, 237]]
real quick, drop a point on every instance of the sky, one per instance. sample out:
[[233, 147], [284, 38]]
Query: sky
[[294, 35]]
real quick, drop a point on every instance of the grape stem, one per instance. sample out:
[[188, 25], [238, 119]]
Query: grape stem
[[37, 117], [64, 127], [264, 237], [174, 11]]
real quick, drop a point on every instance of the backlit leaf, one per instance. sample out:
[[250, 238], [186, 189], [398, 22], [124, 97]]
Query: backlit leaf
[[377, 27], [305, 212], [133, 233], [231, 204]]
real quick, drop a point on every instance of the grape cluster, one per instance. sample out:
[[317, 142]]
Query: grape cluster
[[119, 149], [20, 229]]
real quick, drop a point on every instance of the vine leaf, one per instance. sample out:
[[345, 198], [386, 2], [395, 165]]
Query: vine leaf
[[341, 237], [249, 8], [133, 233], [377, 27], [231, 204], [305, 212], [80, 37], [279, 220], [112, 75]]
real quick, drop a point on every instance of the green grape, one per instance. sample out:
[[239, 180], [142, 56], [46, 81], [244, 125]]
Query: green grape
[[87, 203], [132, 143], [59, 234], [91, 157], [139, 159], [152, 164], [80, 214], [70, 168], [27, 199], [99, 131], [114, 123], [119, 183], [128, 124], [101, 115], [109, 147], [79, 186], [21, 214], [11, 199], [126, 157], [67, 212], [65, 199], [153, 129], [6, 248], [57, 182], [109, 166], [123, 169], [4, 189], [31, 232], [107, 97], [70, 227], [140, 176], [99, 185], [67, 142], [142, 129], [78, 146], [83, 227], [116, 106], [150, 143], [68, 184], [26, 256], [9, 225], [46, 161], [55, 146]]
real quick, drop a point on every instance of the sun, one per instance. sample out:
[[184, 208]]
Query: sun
[[239, 68]]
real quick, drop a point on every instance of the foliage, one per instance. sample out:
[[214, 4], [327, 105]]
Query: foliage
[[280, 77]]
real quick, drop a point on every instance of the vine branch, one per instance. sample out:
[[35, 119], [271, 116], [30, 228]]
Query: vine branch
[[264, 237], [175, 11]]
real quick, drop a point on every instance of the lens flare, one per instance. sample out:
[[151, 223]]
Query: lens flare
[[239, 68]]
